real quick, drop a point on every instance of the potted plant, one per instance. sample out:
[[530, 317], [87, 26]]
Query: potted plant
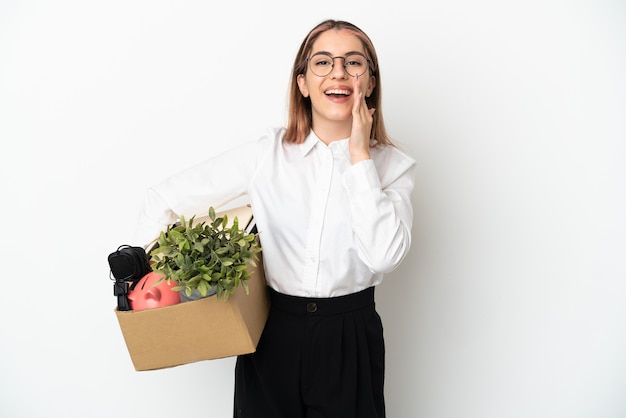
[[207, 257]]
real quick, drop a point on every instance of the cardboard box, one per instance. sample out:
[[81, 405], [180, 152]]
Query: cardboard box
[[204, 329]]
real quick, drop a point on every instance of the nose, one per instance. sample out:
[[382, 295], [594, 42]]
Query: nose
[[339, 71]]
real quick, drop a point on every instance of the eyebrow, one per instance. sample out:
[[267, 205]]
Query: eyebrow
[[347, 53]]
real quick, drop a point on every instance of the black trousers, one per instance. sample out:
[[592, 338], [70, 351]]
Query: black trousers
[[317, 358]]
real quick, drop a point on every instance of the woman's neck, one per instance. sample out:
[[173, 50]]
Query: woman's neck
[[332, 131]]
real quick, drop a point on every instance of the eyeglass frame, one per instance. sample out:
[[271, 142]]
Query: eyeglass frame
[[332, 67]]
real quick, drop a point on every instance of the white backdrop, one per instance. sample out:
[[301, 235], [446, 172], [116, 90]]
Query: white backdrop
[[512, 302]]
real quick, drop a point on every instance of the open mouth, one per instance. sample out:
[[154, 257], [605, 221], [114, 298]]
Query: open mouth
[[337, 92]]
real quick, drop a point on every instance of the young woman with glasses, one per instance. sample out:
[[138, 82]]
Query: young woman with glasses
[[330, 195]]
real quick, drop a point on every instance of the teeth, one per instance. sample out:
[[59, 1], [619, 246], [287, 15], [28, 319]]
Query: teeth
[[338, 91]]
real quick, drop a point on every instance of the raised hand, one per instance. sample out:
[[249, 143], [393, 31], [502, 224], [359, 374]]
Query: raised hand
[[362, 119]]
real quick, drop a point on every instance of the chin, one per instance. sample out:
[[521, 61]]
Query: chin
[[335, 115], [342, 116]]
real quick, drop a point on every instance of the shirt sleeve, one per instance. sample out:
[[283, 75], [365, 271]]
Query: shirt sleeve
[[214, 182], [381, 209]]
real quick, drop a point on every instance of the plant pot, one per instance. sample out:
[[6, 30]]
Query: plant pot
[[195, 294]]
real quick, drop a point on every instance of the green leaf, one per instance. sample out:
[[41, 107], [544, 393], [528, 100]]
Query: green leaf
[[221, 251], [199, 255], [202, 287]]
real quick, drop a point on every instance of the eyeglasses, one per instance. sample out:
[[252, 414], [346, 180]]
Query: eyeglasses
[[322, 64]]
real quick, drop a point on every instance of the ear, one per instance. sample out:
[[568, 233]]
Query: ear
[[370, 86], [302, 85]]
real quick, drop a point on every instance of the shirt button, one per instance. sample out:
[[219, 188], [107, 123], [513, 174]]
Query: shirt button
[[311, 307]]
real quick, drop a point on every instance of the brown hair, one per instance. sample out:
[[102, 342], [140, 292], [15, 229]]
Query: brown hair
[[300, 115]]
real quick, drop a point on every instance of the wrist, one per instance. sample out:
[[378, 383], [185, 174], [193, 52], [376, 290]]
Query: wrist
[[356, 157]]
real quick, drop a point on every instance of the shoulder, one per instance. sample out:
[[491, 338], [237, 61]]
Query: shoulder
[[393, 164], [387, 157], [271, 138], [274, 134], [268, 140]]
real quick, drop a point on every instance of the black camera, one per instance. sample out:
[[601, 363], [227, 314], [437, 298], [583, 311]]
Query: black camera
[[128, 265]]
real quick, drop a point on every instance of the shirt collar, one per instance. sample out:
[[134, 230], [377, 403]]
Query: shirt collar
[[308, 144], [312, 140]]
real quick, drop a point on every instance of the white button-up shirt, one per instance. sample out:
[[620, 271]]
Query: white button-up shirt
[[327, 227]]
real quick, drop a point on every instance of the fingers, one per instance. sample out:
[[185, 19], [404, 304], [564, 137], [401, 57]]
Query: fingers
[[362, 120], [358, 95], [360, 105]]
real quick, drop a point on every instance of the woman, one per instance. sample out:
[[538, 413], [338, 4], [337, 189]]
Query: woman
[[331, 198]]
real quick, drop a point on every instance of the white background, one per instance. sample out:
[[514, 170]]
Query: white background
[[512, 301]]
